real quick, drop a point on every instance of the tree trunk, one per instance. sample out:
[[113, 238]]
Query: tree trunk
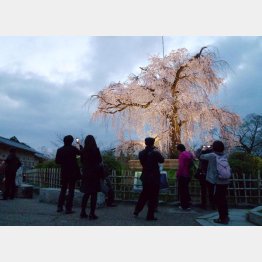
[[175, 123], [175, 132]]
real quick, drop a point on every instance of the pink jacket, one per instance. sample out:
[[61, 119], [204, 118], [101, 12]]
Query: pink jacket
[[184, 161]]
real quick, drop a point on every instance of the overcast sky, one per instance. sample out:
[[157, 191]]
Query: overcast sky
[[45, 81]]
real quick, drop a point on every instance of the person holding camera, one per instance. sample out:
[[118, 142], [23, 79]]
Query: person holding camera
[[149, 158], [218, 174], [66, 157], [206, 188]]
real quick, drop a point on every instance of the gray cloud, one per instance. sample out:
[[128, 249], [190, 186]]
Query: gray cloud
[[44, 110], [243, 92], [35, 109]]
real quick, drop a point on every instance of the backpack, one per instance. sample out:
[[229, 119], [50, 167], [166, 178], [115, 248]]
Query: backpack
[[223, 168]]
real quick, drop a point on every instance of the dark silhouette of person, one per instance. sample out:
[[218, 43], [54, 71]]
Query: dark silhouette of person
[[185, 160], [12, 163], [149, 158], [66, 157], [206, 188], [92, 173]]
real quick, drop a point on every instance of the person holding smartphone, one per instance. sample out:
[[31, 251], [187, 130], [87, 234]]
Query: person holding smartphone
[[66, 157]]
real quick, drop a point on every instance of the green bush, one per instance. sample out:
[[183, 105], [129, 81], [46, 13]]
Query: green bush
[[47, 164], [241, 162], [112, 163], [171, 173]]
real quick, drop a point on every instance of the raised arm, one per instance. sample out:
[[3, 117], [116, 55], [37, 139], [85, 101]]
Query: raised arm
[[207, 156]]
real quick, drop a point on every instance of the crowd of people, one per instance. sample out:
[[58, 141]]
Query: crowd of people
[[213, 173]]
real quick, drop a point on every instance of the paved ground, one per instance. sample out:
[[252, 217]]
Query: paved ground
[[237, 218], [31, 212]]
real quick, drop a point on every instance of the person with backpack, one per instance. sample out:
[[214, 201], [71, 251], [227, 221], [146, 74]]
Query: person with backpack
[[149, 158], [12, 164], [218, 174], [185, 162]]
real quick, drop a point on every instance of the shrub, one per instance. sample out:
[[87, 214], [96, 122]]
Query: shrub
[[111, 162], [47, 164], [241, 162]]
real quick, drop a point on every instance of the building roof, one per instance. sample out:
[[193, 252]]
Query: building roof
[[13, 142]]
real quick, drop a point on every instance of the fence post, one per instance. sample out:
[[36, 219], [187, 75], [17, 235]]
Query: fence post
[[234, 186], [259, 186], [34, 178], [40, 179], [113, 174], [123, 184], [245, 187]]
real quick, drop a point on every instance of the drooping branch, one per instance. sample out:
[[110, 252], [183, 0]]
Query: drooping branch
[[170, 93]]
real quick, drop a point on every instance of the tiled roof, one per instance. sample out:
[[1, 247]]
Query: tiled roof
[[15, 144]]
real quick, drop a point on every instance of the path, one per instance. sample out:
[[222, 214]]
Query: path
[[31, 212]]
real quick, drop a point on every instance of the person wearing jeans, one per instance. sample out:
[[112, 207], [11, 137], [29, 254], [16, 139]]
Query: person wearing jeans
[[206, 188], [221, 202], [149, 158], [183, 192]]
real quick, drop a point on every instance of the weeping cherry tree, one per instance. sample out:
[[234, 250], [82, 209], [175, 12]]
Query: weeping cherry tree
[[170, 99]]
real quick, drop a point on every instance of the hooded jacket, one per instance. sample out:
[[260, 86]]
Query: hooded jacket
[[212, 174]]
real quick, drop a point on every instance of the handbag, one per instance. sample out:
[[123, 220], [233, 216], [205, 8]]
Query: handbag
[[163, 180], [104, 188]]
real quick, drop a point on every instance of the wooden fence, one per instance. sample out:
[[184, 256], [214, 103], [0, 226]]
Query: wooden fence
[[243, 189]]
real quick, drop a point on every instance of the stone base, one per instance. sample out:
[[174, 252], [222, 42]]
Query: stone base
[[50, 195], [254, 216], [25, 191]]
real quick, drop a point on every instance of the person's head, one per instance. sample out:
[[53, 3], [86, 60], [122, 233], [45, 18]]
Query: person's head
[[180, 148], [90, 142], [218, 146], [149, 141], [68, 140]]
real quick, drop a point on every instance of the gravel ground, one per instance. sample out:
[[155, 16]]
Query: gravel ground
[[31, 212]]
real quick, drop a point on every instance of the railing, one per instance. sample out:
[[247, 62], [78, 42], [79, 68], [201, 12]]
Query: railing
[[243, 189]]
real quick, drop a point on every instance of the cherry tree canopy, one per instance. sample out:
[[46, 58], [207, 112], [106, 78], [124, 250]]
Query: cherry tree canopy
[[170, 99]]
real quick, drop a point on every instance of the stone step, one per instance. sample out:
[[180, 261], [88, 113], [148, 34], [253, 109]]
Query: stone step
[[255, 216], [25, 191], [50, 195]]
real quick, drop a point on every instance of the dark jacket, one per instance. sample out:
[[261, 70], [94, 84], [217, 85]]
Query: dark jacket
[[12, 163], [203, 164], [92, 170], [66, 157], [149, 159]]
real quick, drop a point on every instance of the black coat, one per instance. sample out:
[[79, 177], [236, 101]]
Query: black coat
[[91, 168], [149, 159], [12, 163], [66, 158]]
